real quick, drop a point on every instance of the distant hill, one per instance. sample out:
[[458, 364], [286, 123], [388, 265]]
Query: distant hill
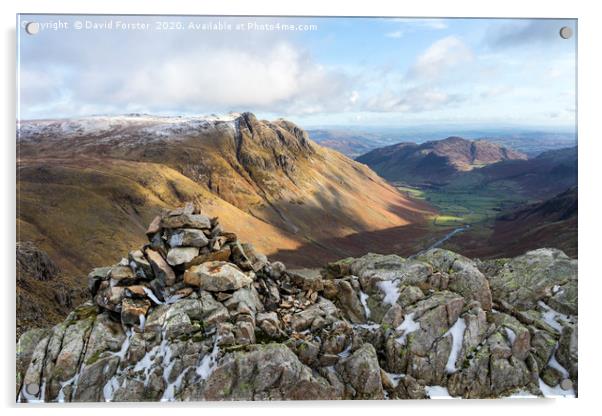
[[351, 143], [435, 161], [354, 141], [551, 223], [542, 177]]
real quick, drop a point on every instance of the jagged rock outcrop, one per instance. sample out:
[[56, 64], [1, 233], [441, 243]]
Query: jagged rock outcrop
[[44, 295], [216, 320]]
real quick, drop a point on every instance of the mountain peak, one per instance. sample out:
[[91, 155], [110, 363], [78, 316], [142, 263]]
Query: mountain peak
[[150, 127], [456, 139], [436, 160]]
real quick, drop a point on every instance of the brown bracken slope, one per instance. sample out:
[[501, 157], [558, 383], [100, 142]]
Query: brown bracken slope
[[87, 187]]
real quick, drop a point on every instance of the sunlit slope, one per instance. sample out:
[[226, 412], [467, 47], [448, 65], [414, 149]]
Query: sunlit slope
[[80, 211], [270, 170]]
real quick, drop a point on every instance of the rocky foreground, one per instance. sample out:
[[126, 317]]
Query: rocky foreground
[[197, 315]]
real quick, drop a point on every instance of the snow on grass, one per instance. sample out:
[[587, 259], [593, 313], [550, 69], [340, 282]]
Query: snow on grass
[[390, 288], [407, 327], [364, 301], [437, 392], [457, 333], [141, 124]]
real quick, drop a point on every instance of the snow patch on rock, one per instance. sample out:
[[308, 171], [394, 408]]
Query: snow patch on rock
[[407, 327], [457, 333]]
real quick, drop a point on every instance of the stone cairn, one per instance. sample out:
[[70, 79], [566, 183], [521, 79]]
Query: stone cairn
[[188, 253], [197, 315]]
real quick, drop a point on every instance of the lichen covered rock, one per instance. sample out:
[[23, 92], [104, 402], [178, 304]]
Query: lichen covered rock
[[228, 324]]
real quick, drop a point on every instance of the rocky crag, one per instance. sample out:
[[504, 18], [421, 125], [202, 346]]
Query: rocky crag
[[197, 315], [44, 295]]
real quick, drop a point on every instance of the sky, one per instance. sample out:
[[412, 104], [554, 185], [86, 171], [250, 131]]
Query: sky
[[313, 71]]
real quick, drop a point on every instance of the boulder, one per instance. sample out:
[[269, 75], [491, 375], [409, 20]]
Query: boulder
[[324, 312], [276, 269], [362, 372], [187, 221], [221, 255], [106, 337], [567, 352], [526, 279], [162, 271], [96, 277], [154, 227], [110, 297], [265, 372], [25, 348], [133, 311], [465, 278], [181, 255], [307, 279], [349, 301], [140, 265], [187, 237], [239, 257], [216, 276], [269, 324], [564, 297], [122, 276], [72, 349], [258, 260]]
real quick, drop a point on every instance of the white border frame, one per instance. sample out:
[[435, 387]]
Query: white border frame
[[590, 152]]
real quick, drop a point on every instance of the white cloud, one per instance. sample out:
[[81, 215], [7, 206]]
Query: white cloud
[[412, 100], [208, 79], [497, 91], [442, 56], [354, 97], [395, 35], [36, 86]]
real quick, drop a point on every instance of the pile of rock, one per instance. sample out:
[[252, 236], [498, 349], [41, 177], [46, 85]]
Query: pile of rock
[[197, 315], [187, 252]]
